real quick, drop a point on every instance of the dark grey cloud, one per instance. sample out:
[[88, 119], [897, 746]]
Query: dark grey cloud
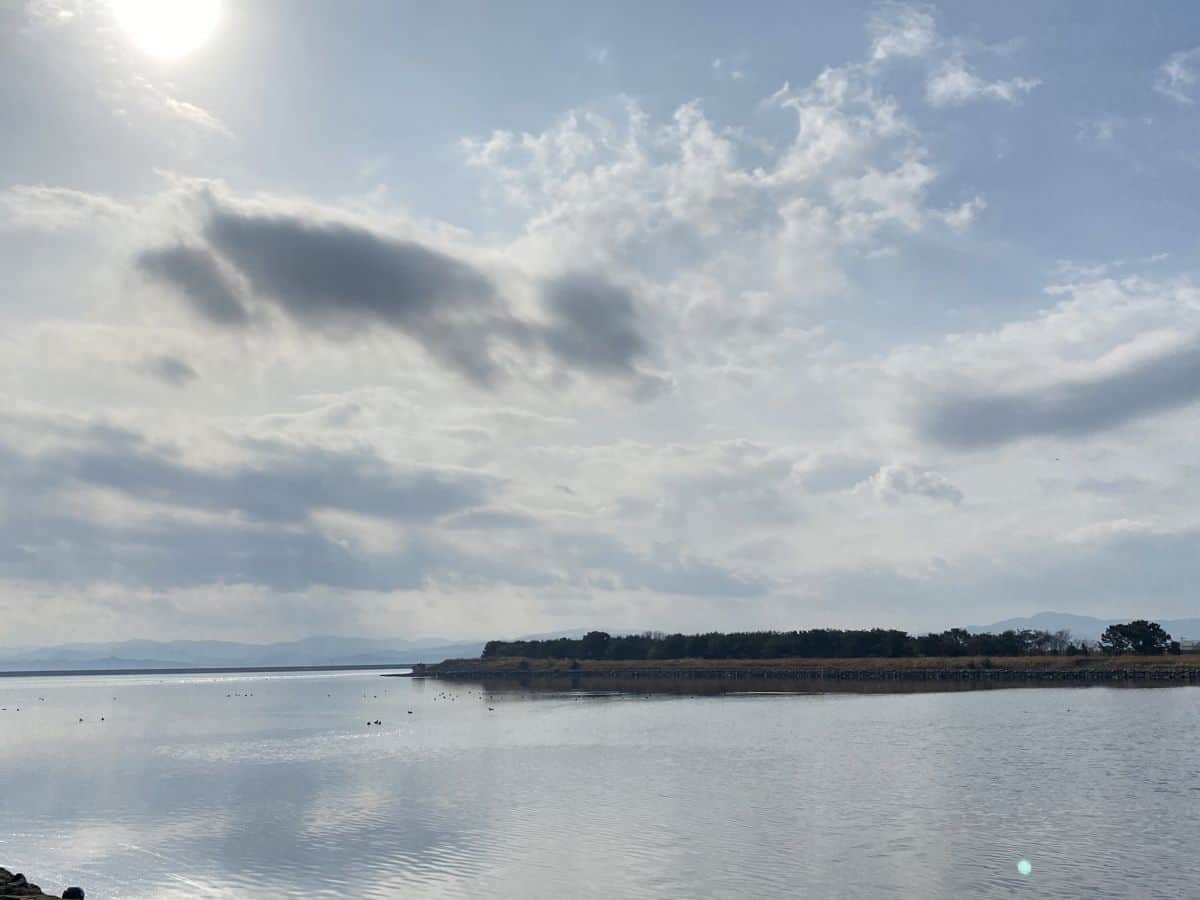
[[264, 536], [167, 553], [343, 279], [281, 488], [194, 272], [171, 369], [594, 324], [980, 419]]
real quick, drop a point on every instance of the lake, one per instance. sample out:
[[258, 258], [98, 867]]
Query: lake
[[274, 785]]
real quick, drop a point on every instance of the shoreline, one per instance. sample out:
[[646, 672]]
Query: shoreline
[[1183, 669], [197, 670]]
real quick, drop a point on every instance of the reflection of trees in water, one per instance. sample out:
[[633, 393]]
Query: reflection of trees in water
[[534, 685]]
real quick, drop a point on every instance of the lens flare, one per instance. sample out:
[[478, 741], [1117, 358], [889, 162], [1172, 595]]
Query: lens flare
[[1024, 867]]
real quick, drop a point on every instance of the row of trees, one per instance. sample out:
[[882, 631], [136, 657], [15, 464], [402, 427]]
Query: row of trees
[[831, 644]]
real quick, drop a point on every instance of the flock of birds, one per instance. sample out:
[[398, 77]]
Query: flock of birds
[[43, 700], [444, 696], [441, 695]]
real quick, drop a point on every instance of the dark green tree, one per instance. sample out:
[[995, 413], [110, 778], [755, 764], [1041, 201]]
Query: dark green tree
[[1138, 636], [594, 645]]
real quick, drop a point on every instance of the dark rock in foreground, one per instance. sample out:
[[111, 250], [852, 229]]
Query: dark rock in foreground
[[14, 886]]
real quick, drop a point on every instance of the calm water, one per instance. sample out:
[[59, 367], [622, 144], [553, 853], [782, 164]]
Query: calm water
[[203, 786]]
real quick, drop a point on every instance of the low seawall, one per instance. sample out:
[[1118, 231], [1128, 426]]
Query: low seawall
[[981, 672]]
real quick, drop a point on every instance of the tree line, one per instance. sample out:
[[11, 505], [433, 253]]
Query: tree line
[[831, 643]]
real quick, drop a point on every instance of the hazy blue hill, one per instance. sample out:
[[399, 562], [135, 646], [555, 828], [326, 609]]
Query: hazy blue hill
[[314, 651]]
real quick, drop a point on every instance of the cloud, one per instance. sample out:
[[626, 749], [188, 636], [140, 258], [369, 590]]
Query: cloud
[[42, 208], [197, 275], [107, 504], [487, 519], [1112, 487], [593, 324], [617, 248], [341, 279], [909, 31], [955, 84], [286, 484], [102, 503], [1108, 352], [896, 480], [170, 369], [832, 473], [901, 30], [690, 200], [987, 418], [604, 563], [1177, 77], [194, 115]]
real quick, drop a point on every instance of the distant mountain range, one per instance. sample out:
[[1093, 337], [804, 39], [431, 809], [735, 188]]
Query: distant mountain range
[[342, 651], [313, 651], [1087, 627]]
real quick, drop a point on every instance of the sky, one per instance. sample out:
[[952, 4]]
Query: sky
[[475, 320]]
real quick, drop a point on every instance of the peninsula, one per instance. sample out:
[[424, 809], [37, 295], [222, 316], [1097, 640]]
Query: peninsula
[[1137, 651]]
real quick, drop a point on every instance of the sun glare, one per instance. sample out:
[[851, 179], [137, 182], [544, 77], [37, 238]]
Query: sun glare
[[167, 29]]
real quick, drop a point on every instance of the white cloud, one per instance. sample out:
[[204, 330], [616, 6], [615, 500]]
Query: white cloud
[[954, 83], [1177, 77], [962, 216], [1107, 355], [43, 208], [897, 480], [676, 198], [902, 30]]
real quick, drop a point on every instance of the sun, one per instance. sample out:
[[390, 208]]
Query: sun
[[167, 29]]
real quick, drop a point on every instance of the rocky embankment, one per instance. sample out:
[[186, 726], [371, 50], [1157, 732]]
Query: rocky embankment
[[14, 886]]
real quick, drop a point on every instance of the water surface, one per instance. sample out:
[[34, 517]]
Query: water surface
[[221, 786]]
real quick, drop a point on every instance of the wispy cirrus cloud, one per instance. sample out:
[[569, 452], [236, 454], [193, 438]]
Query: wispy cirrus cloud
[[39, 207], [1178, 76]]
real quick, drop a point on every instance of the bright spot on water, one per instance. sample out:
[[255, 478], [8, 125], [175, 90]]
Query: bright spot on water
[[1024, 867]]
